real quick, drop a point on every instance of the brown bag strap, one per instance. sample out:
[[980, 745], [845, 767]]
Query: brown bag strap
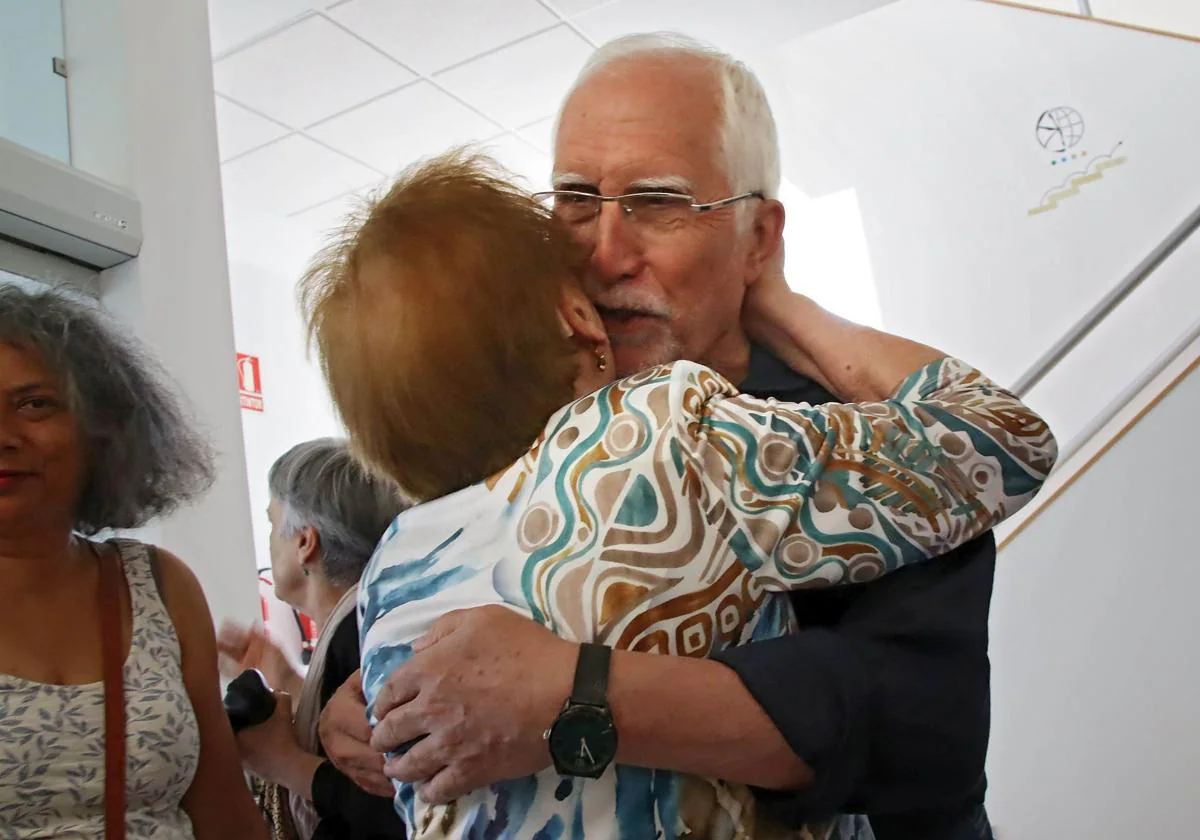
[[114, 695]]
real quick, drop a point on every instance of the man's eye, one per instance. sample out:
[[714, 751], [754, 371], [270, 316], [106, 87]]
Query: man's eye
[[661, 201]]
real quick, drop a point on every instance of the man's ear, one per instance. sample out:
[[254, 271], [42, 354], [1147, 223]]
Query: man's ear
[[580, 320], [766, 251]]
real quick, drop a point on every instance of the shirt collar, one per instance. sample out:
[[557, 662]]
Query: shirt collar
[[766, 373]]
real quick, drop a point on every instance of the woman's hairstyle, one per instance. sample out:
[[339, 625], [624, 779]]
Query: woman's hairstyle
[[435, 314], [143, 458], [319, 485]]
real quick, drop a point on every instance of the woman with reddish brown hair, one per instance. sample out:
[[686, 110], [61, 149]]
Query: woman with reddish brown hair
[[663, 512]]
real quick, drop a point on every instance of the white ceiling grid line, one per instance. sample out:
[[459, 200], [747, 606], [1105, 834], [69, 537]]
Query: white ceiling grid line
[[433, 126], [433, 78], [362, 88], [570, 23], [417, 34], [305, 71]]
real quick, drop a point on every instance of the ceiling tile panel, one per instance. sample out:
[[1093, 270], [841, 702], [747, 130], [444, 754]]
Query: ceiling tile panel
[[429, 35], [290, 175], [541, 135], [306, 72], [524, 82], [232, 23], [319, 221], [531, 167], [414, 122], [570, 8], [240, 130], [745, 28]]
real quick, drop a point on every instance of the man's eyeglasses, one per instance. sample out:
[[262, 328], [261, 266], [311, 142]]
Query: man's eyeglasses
[[657, 210]]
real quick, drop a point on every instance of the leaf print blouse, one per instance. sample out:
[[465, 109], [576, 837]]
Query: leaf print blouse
[[667, 513], [52, 736]]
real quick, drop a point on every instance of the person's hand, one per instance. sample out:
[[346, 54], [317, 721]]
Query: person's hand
[[774, 316], [479, 692], [270, 750], [345, 735], [241, 648]]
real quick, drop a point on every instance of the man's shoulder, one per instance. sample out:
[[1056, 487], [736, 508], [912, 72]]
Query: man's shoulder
[[769, 377]]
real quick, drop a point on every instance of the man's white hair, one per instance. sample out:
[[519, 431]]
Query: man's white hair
[[748, 136]]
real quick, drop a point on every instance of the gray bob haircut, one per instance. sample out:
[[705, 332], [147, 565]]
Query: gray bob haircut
[[142, 456], [321, 486], [748, 133]]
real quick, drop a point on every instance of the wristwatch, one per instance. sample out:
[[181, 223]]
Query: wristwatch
[[583, 738]]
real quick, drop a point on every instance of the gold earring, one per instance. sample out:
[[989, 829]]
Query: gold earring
[[601, 360]]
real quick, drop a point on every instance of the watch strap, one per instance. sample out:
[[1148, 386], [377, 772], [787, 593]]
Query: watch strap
[[591, 675]]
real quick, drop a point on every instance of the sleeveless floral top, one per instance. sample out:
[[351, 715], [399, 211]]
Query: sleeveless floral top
[[52, 736]]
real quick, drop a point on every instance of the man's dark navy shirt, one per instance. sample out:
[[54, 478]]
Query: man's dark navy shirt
[[885, 689]]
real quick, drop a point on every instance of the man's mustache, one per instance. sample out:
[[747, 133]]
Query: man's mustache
[[629, 309]]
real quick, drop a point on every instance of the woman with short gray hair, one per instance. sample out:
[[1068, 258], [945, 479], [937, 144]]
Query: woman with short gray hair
[[92, 439], [327, 515]]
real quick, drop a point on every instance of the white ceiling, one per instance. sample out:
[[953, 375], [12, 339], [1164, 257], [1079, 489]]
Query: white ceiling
[[319, 101]]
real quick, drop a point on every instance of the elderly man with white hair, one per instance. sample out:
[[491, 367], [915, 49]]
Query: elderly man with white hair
[[879, 704]]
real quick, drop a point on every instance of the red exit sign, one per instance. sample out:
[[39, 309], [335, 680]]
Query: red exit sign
[[250, 382]]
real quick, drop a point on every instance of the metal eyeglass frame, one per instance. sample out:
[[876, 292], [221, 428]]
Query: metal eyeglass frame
[[620, 199]]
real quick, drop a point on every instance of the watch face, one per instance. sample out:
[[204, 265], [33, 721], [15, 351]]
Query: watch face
[[583, 741]]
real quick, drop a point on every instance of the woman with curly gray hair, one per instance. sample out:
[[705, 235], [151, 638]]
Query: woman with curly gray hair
[[100, 640]]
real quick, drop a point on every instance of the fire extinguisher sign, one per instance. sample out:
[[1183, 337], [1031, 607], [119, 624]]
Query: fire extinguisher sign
[[250, 382]]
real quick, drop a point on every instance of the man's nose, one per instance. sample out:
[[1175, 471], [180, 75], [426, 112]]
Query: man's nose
[[616, 245]]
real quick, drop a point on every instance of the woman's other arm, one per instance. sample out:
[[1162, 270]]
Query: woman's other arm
[[856, 362], [933, 456]]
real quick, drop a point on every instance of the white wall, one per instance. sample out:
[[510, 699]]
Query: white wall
[[1094, 624], [142, 117], [1181, 16], [267, 255], [927, 109], [33, 99], [937, 145]]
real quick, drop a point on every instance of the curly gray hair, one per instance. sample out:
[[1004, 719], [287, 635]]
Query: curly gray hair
[[143, 457], [321, 486]]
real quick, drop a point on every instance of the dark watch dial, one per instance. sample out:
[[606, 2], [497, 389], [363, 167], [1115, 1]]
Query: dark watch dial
[[583, 741]]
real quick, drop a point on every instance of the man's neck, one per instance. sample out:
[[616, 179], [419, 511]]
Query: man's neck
[[730, 356]]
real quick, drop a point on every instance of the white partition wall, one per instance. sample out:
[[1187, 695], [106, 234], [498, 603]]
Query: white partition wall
[[267, 255], [141, 103], [1094, 628], [1011, 168]]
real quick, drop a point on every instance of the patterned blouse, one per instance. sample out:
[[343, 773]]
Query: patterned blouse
[[52, 736], [667, 513]]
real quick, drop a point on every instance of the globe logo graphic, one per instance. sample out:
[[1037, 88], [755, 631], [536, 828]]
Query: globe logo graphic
[[1059, 129]]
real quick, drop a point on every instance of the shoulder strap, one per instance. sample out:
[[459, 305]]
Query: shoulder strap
[[156, 571], [114, 695]]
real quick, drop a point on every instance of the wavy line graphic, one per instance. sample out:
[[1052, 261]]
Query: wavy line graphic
[[1094, 172]]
